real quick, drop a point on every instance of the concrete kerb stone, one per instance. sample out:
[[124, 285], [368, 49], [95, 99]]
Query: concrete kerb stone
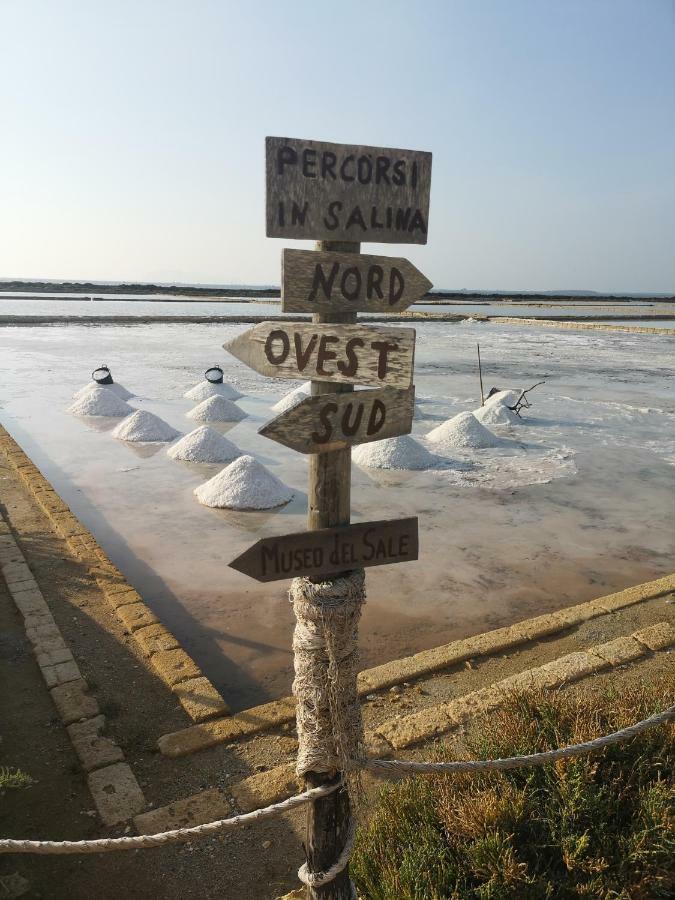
[[200, 700], [94, 749], [73, 702], [136, 615], [154, 638], [61, 673], [265, 787], [116, 793], [174, 666], [620, 651], [198, 809], [657, 637]]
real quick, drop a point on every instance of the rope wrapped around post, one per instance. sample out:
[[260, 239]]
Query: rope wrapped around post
[[330, 730]]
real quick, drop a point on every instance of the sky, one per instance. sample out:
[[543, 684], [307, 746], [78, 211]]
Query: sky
[[132, 134]]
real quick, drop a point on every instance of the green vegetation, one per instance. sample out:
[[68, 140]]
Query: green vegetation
[[599, 826], [13, 778]]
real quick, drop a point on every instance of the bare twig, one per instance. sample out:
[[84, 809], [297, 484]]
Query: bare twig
[[522, 402]]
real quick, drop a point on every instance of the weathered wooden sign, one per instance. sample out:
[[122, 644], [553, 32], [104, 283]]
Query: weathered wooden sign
[[334, 421], [323, 282], [350, 354], [330, 550], [346, 192]]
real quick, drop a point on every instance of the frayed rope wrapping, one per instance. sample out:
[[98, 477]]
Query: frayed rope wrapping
[[330, 730]]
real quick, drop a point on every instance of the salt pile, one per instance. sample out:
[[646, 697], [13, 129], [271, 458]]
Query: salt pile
[[99, 401], [288, 401], [394, 453], [507, 398], [144, 426], [496, 414], [204, 445], [216, 409], [244, 484], [463, 430], [206, 389], [116, 388]]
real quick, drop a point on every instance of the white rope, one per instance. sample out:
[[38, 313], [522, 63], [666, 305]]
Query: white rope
[[143, 841], [316, 879], [514, 762]]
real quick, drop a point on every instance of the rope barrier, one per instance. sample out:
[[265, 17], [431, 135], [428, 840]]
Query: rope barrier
[[315, 879]]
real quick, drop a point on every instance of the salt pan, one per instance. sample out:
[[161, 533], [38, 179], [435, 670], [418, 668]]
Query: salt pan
[[99, 401], [288, 401], [144, 426], [244, 484], [496, 414], [204, 445], [216, 409], [206, 389], [116, 388], [465, 431], [395, 453]]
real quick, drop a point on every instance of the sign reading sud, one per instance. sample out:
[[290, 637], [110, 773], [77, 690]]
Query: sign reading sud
[[346, 192]]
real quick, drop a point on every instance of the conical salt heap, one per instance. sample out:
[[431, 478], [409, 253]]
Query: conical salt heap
[[99, 401], [401, 452], [206, 389], [204, 445], [216, 409], [506, 398], [116, 388], [496, 414], [292, 398], [463, 431], [244, 484], [144, 427]]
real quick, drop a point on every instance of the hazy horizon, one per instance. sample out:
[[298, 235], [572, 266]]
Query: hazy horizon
[[133, 135]]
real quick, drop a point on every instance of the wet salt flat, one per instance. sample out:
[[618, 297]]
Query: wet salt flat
[[579, 503]]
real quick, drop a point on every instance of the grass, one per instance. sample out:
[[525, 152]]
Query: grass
[[13, 778], [599, 826]]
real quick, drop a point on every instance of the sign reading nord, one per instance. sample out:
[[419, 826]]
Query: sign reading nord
[[346, 192]]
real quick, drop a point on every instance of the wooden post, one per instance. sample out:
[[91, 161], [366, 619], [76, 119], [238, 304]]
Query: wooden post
[[329, 504], [480, 375]]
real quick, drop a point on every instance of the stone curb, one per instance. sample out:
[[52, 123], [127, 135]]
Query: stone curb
[[135, 616], [425, 663], [401, 732], [113, 786]]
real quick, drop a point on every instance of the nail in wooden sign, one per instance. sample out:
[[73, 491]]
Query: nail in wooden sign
[[324, 282], [349, 354], [346, 192], [334, 421], [330, 550]]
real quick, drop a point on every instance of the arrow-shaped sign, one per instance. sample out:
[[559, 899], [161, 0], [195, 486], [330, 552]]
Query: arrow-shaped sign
[[350, 354], [334, 421], [324, 282], [330, 550]]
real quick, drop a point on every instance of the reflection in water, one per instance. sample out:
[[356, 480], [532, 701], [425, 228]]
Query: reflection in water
[[100, 423], [145, 451]]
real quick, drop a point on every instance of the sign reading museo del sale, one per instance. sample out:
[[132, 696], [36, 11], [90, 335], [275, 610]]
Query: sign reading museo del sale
[[346, 192]]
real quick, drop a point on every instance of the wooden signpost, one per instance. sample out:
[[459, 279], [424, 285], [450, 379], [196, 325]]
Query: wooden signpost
[[327, 282], [346, 192], [335, 421], [347, 354], [338, 195], [330, 550]]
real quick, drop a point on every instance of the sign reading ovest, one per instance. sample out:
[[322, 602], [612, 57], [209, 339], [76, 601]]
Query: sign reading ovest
[[349, 354], [319, 281], [346, 192]]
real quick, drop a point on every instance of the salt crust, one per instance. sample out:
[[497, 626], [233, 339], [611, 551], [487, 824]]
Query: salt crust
[[116, 388], [204, 445], [144, 427], [465, 431], [244, 484], [216, 409], [288, 401], [99, 401], [206, 389], [395, 453]]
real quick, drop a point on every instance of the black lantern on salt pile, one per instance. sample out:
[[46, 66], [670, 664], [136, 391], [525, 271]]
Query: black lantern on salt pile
[[214, 375], [102, 375]]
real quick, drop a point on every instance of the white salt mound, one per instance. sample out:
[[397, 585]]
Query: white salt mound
[[216, 409], [204, 445], [506, 398], [463, 430], [206, 389], [99, 401], [244, 484], [116, 388], [288, 401], [394, 453], [144, 426], [496, 414]]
